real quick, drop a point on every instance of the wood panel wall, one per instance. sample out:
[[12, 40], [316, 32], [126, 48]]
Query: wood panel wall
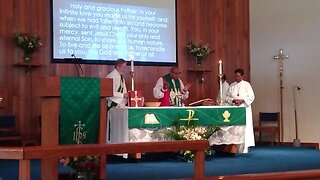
[[223, 24]]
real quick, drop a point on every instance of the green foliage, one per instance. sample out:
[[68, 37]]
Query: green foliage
[[88, 166], [199, 50], [26, 42], [191, 132]]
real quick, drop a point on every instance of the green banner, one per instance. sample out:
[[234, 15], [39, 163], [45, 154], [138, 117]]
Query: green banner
[[202, 116], [79, 110]]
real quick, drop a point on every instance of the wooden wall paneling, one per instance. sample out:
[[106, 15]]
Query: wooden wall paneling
[[221, 23], [186, 23], [22, 15], [231, 40], [216, 24], [246, 39], [5, 53], [237, 33], [44, 32], [2, 42], [24, 103], [34, 123], [3, 99], [210, 37], [229, 63], [200, 37]]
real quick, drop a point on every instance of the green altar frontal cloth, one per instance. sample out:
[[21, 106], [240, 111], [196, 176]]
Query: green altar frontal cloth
[[203, 116]]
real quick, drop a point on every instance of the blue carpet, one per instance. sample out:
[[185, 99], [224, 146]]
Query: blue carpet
[[168, 166]]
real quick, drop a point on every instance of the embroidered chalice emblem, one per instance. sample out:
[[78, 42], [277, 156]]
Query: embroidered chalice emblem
[[226, 115]]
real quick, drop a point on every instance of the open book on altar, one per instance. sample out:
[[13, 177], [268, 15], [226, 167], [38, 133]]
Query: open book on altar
[[203, 102]]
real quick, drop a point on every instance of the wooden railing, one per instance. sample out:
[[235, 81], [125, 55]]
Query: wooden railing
[[25, 154]]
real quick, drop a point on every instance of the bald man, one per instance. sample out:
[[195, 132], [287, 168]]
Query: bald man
[[170, 90]]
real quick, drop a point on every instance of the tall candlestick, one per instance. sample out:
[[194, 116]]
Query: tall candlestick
[[220, 83], [221, 98], [132, 84], [132, 68], [220, 67]]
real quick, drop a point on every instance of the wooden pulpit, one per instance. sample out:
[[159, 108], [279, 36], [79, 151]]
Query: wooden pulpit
[[49, 90]]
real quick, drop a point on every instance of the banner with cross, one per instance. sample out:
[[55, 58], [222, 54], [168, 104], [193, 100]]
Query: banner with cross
[[79, 110]]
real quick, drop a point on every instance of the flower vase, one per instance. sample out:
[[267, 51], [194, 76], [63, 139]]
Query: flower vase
[[198, 64], [27, 57], [82, 176]]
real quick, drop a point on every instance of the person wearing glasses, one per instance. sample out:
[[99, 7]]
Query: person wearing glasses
[[170, 90], [120, 94]]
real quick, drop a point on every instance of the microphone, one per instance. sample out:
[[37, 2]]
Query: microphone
[[75, 58], [298, 88], [78, 66]]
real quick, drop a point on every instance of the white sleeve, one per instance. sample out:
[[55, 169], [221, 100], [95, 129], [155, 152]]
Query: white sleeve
[[249, 98], [117, 96], [225, 89], [185, 95], [157, 89], [229, 97]]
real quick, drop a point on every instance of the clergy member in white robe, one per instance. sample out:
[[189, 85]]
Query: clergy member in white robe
[[120, 95], [227, 135], [241, 94]]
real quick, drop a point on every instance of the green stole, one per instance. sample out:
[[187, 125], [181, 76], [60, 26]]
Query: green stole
[[120, 90], [121, 87], [79, 110]]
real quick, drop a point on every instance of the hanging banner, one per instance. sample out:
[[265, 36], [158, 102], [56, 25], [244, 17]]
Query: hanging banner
[[79, 110]]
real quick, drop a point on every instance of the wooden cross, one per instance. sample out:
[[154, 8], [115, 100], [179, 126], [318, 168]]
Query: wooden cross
[[281, 57]]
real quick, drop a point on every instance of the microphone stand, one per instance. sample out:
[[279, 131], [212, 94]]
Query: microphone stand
[[296, 141], [77, 65]]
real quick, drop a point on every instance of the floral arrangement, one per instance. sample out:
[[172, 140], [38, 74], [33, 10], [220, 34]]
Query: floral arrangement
[[86, 166], [191, 132], [28, 43], [200, 51]]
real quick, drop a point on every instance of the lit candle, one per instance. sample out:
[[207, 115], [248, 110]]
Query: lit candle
[[132, 68], [220, 67]]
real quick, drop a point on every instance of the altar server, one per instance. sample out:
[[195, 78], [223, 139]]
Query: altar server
[[240, 93]]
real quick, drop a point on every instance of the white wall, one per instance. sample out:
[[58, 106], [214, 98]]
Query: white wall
[[293, 25]]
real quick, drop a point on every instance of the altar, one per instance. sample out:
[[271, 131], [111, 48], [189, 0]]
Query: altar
[[144, 124]]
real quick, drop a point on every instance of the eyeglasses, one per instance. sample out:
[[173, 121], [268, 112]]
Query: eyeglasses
[[176, 72]]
